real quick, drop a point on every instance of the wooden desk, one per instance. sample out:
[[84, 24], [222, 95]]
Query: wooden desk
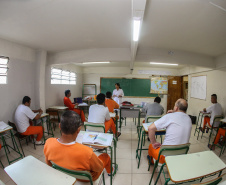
[[48, 125], [189, 167], [141, 141], [4, 135], [32, 171], [79, 140]]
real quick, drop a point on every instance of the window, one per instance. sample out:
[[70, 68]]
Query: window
[[59, 76], [3, 69]]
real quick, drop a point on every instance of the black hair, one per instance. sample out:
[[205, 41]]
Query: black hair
[[26, 99], [118, 85], [67, 92], [214, 95], [100, 98], [70, 122], [182, 106], [157, 99], [108, 94]]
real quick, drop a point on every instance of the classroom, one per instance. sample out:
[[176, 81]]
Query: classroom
[[50, 46]]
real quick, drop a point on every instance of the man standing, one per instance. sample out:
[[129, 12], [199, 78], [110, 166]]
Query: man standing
[[23, 115], [214, 110], [178, 129], [154, 109]]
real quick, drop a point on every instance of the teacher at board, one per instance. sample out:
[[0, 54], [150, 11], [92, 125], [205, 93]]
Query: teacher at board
[[118, 93]]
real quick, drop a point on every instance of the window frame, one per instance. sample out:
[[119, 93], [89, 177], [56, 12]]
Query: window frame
[[4, 66], [63, 76]]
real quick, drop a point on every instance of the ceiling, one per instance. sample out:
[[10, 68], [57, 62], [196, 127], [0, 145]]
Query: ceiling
[[193, 26]]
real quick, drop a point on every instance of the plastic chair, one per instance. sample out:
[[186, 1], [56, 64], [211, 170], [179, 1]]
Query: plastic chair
[[167, 150], [95, 127], [82, 175], [21, 137]]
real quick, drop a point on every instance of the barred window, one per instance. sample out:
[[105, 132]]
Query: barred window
[[59, 76], [3, 69]]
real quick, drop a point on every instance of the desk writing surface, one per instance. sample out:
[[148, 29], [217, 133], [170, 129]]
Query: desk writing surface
[[58, 107], [30, 170], [195, 165], [223, 120], [112, 115], [44, 115]]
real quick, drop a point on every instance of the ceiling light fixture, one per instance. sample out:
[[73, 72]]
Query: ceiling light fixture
[[136, 30], [163, 64], [107, 62]]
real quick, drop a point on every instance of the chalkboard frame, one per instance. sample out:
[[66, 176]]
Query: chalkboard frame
[[154, 95]]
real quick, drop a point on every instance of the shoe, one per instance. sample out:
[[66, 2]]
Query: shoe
[[113, 171], [119, 134], [201, 129], [148, 139], [207, 130], [39, 143], [211, 147], [149, 160]]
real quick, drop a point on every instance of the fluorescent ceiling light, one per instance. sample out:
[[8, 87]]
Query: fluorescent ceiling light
[[96, 62], [136, 29], [163, 64]]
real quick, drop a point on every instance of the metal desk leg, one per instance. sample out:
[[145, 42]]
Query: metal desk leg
[[141, 145], [138, 144]]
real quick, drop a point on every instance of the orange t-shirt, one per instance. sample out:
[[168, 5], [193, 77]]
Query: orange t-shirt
[[111, 104], [67, 103], [73, 156]]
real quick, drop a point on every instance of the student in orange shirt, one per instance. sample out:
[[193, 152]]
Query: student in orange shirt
[[110, 103], [67, 153], [67, 103]]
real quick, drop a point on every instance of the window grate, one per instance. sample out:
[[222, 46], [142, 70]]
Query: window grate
[[3, 69], [59, 76]]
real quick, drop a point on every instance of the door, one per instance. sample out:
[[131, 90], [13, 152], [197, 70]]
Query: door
[[174, 90]]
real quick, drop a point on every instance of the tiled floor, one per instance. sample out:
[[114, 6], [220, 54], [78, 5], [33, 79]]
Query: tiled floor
[[128, 173]]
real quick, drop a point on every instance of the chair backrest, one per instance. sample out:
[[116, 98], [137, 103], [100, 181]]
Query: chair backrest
[[169, 150], [216, 120], [96, 127], [213, 181], [82, 175], [130, 113], [153, 118], [12, 125]]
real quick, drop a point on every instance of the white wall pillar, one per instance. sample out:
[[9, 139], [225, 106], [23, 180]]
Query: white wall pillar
[[41, 57]]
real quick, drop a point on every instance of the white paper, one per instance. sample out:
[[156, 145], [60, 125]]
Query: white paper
[[82, 104], [3, 125]]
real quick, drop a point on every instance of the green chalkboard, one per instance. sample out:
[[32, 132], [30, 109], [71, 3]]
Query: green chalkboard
[[131, 87]]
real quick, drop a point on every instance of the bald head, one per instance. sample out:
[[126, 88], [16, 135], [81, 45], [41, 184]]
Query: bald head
[[182, 105]]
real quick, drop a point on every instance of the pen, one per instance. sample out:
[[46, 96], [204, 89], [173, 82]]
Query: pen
[[95, 137]]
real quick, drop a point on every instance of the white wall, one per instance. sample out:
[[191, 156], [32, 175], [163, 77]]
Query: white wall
[[216, 84], [55, 93], [21, 78], [92, 75]]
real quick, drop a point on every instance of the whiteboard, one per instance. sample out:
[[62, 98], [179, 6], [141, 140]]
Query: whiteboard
[[198, 87]]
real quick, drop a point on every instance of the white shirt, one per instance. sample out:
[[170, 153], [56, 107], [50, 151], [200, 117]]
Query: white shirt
[[22, 115], [98, 114], [215, 110], [178, 128], [118, 93]]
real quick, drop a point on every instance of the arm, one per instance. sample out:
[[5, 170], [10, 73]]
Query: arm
[[122, 93], [67, 103], [151, 133], [38, 116], [116, 105]]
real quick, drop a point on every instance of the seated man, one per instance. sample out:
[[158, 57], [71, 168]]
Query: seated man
[[110, 103], [23, 114], [221, 133], [153, 109], [67, 153], [214, 110], [71, 106], [99, 113], [178, 129]]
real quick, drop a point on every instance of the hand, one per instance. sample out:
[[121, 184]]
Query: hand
[[169, 111], [204, 110], [120, 96], [76, 103], [156, 145], [114, 96], [40, 110]]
